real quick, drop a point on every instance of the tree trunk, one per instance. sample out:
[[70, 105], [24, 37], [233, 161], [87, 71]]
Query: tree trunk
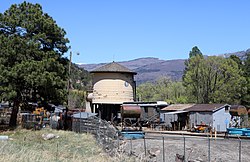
[[13, 118]]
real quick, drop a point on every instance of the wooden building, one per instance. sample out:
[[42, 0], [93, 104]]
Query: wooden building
[[113, 84]]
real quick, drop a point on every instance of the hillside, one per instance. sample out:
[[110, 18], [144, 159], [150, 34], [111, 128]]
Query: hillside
[[149, 69]]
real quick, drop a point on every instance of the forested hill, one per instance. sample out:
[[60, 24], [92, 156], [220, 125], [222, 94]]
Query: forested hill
[[150, 68]]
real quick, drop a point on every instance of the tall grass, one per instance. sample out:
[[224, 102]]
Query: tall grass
[[27, 145]]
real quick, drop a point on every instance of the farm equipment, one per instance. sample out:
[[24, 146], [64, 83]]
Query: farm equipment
[[40, 111], [38, 119], [201, 128]]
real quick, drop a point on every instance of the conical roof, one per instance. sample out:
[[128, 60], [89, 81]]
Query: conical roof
[[112, 67]]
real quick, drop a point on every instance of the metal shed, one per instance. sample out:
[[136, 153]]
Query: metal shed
[[215, 115], [175, 117]]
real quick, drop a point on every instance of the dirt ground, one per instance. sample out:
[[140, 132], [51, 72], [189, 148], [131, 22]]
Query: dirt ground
[[196, 149]]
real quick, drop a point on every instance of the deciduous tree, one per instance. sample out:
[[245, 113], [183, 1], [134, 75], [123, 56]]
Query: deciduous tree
[[213, 80]]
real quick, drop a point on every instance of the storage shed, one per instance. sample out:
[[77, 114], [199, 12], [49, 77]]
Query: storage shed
[[175, 117], [215, 115]]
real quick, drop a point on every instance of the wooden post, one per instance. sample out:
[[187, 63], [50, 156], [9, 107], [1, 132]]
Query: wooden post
[[215, 133], [100, 112], [211, 133]]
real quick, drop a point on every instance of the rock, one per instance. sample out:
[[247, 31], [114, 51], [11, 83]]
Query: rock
[[49, 136]]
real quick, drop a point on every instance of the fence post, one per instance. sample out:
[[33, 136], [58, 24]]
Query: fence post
[[98, 130], [208, 149], [80, 125], [163, 149], [145, 146], [184, 142], [131, 148], [57, 151], [239, 150], [80, 129], [118, 141]]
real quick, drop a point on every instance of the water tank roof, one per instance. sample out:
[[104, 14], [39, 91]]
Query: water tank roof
[[112, 67]]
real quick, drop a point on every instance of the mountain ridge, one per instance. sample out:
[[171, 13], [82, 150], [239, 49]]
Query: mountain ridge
[[149, 69]]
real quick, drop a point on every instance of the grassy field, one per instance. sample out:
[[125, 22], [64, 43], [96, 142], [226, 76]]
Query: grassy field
[[27, 145]]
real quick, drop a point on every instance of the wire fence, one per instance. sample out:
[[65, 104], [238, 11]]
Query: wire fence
[[164, 148], [187, 149], [105, 133]]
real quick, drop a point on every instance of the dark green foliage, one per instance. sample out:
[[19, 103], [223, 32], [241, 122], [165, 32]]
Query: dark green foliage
[[80, 82], [80, 78], [214, 80], [31, 50], [237, 60], [195, 52], [76, 99], [246, 68], [193, 65], [162, 90]]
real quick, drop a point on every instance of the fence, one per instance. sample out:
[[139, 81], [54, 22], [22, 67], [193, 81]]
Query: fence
[[164, 148], [105, 134], [182, 148]]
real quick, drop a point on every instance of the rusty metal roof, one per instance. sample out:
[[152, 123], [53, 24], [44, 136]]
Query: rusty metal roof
[[238, 110], [112, 67]]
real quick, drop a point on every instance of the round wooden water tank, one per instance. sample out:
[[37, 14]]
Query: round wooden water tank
[[113, 88]]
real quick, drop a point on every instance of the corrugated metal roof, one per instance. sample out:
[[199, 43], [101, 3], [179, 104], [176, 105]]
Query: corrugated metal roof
[[205, 107], [83, 115], [175, 112], [176, 107], [112, 67]]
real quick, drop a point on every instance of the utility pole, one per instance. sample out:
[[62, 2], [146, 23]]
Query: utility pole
[[68, 91], [68, 87]]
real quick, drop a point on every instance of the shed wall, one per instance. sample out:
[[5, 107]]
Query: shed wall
[[219, 120], [196, 118], [168, 118]]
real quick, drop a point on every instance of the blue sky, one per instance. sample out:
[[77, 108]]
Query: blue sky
[[121, 30]]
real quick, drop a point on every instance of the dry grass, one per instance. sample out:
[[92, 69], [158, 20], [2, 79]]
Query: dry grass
[[27, 145]]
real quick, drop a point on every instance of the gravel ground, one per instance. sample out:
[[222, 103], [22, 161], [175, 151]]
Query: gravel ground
[[196, 149]]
